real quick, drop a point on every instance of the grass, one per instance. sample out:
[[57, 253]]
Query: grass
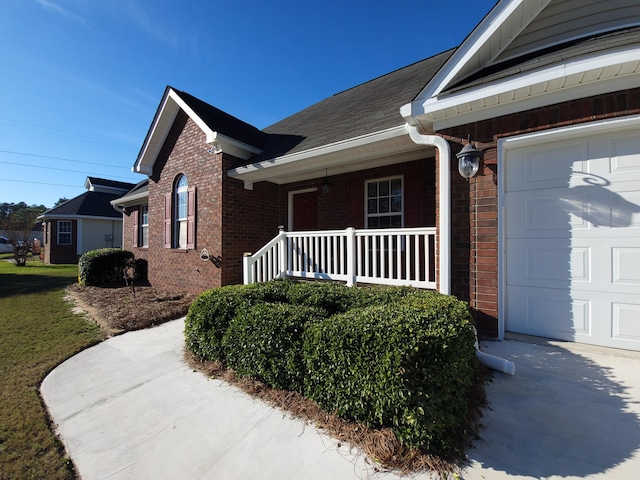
[[37, 332]]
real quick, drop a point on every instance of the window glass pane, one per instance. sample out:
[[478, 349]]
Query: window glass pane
[[372, 222], [182, 183], [372, 206], [396, 187], [144, 237], [384, 222], [396, 221], [396, 204], [182, 234], [372, 190], [384, 188], [145, 215], [182, 205], [383, 205]]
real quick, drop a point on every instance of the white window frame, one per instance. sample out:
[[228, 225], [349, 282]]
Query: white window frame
[[66, 223], [399, 214], [144, 227], [180, 222]]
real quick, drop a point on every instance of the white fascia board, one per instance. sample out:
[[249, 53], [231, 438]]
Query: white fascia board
[[157, 135], [434, 110], [482, 34], [231, 146], [265, 165], [130, 199], [77, 217]]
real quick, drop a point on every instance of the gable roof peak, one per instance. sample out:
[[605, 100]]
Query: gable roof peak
[[223, 131]]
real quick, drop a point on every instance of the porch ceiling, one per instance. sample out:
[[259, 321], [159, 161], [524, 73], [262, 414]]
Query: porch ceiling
[[388, 147]]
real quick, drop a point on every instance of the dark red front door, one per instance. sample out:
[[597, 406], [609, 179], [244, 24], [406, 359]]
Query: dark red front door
[[305, 211]]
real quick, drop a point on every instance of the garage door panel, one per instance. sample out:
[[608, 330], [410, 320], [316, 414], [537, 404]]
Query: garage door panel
[[548, 167], [548, 313], [625, 322], [625, 266], [544, 214], [624, 164], [547, 263]]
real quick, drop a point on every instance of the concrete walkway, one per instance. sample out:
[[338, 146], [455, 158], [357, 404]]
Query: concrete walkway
[[130, 408]]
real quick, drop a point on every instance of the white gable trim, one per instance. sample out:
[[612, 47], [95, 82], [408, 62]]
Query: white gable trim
[[587, 76], [487, 32], [170, 106]]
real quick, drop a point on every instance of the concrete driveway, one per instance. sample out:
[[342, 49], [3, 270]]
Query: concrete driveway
[[130, 408]]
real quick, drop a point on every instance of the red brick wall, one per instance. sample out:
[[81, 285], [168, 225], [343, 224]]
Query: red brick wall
[[475, 224], [335, 208], [184, 152]]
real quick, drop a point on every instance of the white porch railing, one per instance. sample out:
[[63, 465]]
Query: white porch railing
[[402, 256]]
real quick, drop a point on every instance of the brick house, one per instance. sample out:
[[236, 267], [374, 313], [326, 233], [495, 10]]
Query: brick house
[[86, 222], [542, 240]]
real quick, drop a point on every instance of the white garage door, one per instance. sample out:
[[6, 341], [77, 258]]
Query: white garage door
[[571, 213]]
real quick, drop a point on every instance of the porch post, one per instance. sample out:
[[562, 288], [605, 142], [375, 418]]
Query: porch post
[[246, 269], [283, 252], [351, 257]]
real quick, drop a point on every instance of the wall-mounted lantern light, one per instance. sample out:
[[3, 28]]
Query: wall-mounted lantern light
[[469, 160], [326, 184]]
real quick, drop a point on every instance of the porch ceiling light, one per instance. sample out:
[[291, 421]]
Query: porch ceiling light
[[469, 160]]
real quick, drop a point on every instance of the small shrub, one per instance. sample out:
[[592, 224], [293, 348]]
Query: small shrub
[[408, 365], [103, 267], [264, 342]]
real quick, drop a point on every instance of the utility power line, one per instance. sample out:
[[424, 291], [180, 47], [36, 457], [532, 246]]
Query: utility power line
[[60, 158], [38, 183], [58, 169]]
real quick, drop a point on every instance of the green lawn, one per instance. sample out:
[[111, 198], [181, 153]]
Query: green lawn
[[37, 332]]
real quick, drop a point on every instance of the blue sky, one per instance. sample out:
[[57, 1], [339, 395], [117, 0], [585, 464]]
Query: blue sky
[[80, 80]]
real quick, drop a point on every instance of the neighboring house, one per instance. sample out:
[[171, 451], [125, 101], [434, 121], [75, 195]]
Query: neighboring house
[[543, 240], [86, 222]]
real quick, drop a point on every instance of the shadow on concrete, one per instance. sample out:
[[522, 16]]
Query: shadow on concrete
[[566, 412]]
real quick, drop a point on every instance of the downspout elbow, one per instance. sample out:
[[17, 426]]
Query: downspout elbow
[[444, 202]]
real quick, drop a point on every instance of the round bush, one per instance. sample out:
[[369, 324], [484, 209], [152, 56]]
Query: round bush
[[104, 266]]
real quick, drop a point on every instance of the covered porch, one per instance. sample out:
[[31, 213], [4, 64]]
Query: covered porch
[[412, 252]]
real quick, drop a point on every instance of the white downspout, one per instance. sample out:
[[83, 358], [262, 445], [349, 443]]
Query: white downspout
[[444, 180]]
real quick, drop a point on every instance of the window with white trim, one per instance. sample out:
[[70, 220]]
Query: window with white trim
[[180, 215], [385, 203], [64, 232], [181, 212], [144, 226]]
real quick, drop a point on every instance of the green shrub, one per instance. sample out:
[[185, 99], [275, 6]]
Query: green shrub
[[208, 319], [408, 365], [104, 266], [264, 341], [393, 357]]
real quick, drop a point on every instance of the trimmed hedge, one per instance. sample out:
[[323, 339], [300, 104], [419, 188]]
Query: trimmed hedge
[[264, 342], [103, 266], [392, 357], [409, 365]]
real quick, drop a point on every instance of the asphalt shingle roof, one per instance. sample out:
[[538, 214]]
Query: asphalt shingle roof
[[367, 108], [91, 204]]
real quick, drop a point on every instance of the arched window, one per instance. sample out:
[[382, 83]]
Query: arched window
[[180, 203], [179, 209]]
